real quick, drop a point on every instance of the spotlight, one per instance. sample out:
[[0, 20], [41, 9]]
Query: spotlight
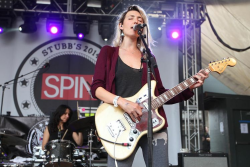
[[5, 22], [53, 29], [6, 4], [54, 26], [81, 28], [106, 30], [80, 35], [174, 30], [28, 28], [29, 25], [155, 28], [44, 2], [175, 34], [94, 3]]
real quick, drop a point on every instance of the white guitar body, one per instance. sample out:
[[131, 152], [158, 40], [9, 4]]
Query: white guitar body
[[114, 124]]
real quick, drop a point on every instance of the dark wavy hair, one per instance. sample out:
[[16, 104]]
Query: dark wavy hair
[[56, 116]]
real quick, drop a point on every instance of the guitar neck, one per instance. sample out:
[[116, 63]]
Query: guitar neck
[[168, 95]]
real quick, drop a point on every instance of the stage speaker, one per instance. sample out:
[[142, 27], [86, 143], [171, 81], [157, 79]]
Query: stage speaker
[[202, 160]]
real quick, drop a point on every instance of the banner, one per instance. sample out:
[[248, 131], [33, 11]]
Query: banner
[[64, 70]]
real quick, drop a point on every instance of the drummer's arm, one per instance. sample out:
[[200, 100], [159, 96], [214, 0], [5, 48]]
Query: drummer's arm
[[78, 137], [45, 138]]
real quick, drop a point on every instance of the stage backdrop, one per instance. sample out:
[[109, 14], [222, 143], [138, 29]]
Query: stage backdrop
[[67, 79]]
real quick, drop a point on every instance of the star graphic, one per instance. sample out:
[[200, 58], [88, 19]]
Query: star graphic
[[24, 83], [26, 105], [34, 61]]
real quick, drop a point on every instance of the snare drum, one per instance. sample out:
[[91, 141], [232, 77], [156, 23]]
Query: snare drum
[[59, 151]]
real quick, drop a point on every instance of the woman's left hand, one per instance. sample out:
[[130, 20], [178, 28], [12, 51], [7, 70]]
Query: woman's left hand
[[200, 79]]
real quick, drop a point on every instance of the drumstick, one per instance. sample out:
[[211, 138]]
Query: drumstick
[[77, 110], [64, 134]]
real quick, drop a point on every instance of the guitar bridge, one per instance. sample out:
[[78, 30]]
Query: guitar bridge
[[115, 128]]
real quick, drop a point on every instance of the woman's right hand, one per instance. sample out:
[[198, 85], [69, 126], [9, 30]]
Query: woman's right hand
[[133, 109]]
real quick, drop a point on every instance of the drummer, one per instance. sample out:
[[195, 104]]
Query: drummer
[[57, 128]]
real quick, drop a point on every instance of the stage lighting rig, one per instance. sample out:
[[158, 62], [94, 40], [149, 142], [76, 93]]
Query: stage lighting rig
[[29, 25], [106, 30], [43, 2], [155, 26], [5, 23], [54, 25], [94, 3], [6, 4], [174, 30], [81, 28]]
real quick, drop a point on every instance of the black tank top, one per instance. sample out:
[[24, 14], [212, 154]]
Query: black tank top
[[54, 135], [127, 79]]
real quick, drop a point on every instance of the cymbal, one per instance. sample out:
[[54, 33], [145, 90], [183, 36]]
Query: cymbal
[[82, 124], [7, 139]]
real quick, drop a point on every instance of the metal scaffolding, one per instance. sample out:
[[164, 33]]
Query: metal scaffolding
[[193, 16], [107, 8]]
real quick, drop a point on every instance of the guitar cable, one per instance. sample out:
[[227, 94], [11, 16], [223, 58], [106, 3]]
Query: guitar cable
[[114, 148], [122, 144]]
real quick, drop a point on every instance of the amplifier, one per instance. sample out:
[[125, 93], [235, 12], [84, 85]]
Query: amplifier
[[203, 159]]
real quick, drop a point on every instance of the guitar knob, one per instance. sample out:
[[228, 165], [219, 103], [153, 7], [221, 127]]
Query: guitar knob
[[134, 131], [131, 139]]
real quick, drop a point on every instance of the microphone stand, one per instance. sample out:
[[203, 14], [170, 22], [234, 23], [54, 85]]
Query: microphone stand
[[149, 61], [3, 86], [90, 136], [15, 79]]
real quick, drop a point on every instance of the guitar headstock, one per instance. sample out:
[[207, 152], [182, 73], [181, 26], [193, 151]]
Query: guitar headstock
[[220, 66]]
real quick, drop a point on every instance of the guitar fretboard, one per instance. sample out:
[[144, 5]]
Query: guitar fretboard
[[168, 95]]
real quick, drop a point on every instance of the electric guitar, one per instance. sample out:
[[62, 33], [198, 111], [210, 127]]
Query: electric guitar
[[115, 126]]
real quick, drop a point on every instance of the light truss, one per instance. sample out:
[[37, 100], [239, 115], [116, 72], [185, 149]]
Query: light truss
[[163, 9], [111, 8], [193, 15]]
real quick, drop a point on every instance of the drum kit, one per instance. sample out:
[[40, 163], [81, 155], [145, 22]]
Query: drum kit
[[63, 153], [7, 140]]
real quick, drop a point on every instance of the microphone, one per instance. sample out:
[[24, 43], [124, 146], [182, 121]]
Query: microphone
[[46, 65], [139, 26]]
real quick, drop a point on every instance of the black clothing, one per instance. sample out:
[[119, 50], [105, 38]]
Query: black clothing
[[206, 143], [128, 79], [58, 135]]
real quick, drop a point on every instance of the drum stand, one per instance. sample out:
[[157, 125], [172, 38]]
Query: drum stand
[[90, 141], [3, 155]]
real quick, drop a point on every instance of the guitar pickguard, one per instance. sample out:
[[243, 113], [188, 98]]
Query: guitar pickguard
[[115, 128]]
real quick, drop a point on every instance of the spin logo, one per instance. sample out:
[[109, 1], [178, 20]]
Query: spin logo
[[66, 80]]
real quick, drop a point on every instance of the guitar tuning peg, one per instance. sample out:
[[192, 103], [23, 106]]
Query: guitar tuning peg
[[210, 62]]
